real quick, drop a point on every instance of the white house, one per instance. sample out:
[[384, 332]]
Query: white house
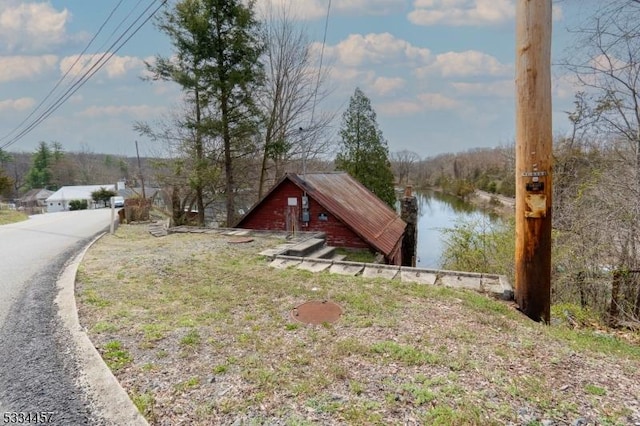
[[59, 200]]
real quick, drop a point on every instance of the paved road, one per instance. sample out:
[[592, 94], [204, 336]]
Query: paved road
[[37, 371]]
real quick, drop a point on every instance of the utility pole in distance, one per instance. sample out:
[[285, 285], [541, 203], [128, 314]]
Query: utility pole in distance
[[534, 145], [144, 196]]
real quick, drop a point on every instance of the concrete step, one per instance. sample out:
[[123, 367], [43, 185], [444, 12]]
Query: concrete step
[[306, 247], [325, 252]]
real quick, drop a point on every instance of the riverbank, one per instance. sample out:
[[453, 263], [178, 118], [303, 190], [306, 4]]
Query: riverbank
[[495, 203]]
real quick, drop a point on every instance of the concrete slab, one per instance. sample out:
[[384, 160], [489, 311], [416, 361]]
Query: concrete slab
[[346, 268], [284, 262], [325, 252], [380, 271], [238, 232], [417, 275], [462, 280], [498, 286], [305, 247], [315, 265]]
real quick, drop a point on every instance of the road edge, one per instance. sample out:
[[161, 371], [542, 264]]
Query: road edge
[[112, 401]]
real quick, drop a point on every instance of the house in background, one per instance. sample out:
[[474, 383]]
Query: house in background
[[34, 201], [348, 213], [59, 200]]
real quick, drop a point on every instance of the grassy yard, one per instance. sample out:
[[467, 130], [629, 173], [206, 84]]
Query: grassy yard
[[199, 331], [11, 216]]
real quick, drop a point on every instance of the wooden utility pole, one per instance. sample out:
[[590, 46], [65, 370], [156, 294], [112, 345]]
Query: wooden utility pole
[[144, 196], [533, 158]]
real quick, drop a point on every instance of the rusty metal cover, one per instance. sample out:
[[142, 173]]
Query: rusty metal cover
[[240, 240], [317, 312]]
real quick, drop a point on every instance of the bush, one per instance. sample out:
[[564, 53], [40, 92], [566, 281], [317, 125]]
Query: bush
[[78, 205], [480, 245]]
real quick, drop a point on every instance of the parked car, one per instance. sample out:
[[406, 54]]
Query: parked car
[[118, 201]]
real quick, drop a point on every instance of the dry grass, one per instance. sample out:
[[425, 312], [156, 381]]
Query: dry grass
[[11, 216], [199, 332]]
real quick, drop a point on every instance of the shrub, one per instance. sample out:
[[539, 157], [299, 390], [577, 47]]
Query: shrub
[[78, 205]]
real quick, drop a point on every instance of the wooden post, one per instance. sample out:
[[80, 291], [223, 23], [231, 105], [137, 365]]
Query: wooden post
[[533, 158], [409, 213]]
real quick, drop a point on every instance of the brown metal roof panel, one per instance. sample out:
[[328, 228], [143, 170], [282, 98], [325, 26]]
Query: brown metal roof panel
[[355, 205]]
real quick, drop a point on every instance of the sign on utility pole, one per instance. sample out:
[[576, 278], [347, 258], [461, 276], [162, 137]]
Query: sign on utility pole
[[533, 158]]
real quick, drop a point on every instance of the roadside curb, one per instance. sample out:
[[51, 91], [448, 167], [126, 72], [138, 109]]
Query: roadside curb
[[110, 398]]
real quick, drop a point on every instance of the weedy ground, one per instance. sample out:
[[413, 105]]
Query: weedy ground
[[199, 331], [11, 216]]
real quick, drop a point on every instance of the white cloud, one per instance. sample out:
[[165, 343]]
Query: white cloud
[[438, 102], [120, 65], [317, 9], [607, 63], [14, 68], [501, 89], [401, 107], [31, 26], [129, 111], [466, 64], [116, 67], [467, 12], [462, 12], [422, 102], [20, 104], [387, 86], [358, 50]]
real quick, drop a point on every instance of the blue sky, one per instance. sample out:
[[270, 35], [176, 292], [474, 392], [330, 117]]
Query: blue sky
[[439, 73]]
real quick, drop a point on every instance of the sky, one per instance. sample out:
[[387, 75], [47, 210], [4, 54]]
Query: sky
[[439, 73]]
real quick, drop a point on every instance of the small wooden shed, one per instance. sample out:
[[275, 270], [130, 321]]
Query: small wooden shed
[[346, 211]]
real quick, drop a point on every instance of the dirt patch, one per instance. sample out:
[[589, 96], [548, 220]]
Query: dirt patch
[[199, 331], [498, 204]]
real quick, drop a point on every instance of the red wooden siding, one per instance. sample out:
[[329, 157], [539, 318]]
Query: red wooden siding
[[272, 215]]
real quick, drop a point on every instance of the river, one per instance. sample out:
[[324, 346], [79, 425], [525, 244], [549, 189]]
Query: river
[[439, 211]]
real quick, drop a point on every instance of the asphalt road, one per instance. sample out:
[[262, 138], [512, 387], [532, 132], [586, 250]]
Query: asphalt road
[[38, 371]]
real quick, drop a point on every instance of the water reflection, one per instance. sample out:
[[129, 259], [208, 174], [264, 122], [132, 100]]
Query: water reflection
[[439, 211]]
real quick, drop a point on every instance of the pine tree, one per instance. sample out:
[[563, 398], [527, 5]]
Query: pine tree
[[40, 173], [364, 153], [217, 47]]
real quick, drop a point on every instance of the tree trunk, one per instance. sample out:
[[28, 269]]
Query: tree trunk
[[615, 291], [200, 164], [228, 163]]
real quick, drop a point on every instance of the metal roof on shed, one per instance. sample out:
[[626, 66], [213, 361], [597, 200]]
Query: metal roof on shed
[[352, 203]]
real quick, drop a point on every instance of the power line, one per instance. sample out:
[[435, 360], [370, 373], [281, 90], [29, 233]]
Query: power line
[[65, 74], [104, 58], [315, 91], [324, 42]]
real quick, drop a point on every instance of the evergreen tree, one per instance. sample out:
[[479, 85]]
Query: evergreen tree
[[40, 173], [6, 183], [49, 168], [103, 195], [217, 50], [364, 153]]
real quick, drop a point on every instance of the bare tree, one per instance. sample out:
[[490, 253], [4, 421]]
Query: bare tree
[[403, 164], [177, 147], [609, 71], [294, 87]]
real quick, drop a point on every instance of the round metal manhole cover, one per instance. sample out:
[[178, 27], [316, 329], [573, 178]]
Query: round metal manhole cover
[[317, 312], [240, 240]]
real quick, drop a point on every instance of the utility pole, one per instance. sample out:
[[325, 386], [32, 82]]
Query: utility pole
[[534, 144], [144, 196]]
